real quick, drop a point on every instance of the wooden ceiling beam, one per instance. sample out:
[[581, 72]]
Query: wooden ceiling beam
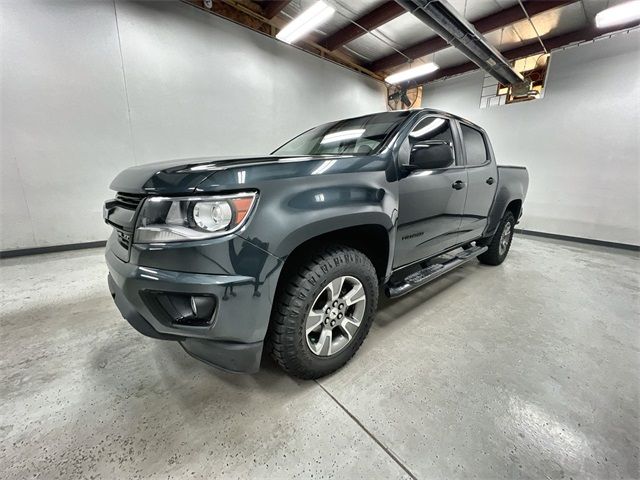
[[243, 13], [559, 41], [486, 24], [380, 15], [271, 8]]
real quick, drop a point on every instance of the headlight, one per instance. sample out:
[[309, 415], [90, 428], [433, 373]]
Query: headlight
[[167, 219]]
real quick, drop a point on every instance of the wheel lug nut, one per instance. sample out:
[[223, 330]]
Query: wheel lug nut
[[327, 310], [335, 304], [341, 306], [339, 316], [326, 320], [333, 322]]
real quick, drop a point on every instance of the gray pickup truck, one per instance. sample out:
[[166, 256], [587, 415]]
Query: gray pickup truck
[[287, 252]]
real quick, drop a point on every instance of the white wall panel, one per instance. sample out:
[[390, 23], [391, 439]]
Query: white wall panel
[[64, 120], [581, 142], [196, 85], [200, 85]]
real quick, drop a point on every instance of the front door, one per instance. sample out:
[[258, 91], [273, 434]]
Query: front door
[[431, 201]]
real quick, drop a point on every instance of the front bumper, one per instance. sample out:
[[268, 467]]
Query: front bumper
[[234, 339]]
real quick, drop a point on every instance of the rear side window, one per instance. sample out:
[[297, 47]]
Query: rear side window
[[474, 146]]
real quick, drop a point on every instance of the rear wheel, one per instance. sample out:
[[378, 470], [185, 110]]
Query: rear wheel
[[500, 242], [323, 312]]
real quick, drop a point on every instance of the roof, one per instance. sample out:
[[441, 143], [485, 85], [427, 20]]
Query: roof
[[379, 37]]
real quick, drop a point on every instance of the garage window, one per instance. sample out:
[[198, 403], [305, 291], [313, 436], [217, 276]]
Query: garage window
[[474, 146], [534, 72]]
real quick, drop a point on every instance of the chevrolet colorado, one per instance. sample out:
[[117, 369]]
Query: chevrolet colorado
[[286, 252]]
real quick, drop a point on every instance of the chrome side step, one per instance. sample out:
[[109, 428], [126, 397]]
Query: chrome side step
[[427, 274]]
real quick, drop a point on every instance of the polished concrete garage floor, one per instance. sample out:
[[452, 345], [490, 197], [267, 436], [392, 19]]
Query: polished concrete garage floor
[[528, 370]]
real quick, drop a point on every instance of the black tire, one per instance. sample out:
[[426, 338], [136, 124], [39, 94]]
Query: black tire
[[299, 291], [496, 255]]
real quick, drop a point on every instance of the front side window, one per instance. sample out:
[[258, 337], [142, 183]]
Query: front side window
[[355, 136], [433, 134], [431, 128], [474, 146]]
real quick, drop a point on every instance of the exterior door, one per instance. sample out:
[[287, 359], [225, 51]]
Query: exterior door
[[482, 182], [431, 201]]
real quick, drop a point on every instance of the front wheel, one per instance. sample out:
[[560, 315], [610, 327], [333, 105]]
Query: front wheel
[[323, 312], [500, 242]]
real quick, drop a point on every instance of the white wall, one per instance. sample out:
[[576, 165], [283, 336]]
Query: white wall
[[90, 88], [581, 142]]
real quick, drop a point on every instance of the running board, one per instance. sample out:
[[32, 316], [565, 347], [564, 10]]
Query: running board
[[426, 275]]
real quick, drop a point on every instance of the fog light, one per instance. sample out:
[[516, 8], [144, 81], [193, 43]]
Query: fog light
[[202, 307], [182, 308]]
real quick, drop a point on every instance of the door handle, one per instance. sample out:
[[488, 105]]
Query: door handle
[[490, 180], [458, 185]]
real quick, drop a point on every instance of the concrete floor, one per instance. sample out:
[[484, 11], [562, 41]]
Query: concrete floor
[[528, 370]]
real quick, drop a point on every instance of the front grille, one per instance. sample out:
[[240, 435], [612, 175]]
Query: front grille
[[124, 238], [129, 201]]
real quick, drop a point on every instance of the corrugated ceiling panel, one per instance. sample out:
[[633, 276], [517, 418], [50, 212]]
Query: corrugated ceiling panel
[[549, 24], [407, 30], [345, 11]]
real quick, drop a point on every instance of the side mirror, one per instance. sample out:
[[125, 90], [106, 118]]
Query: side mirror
[[430, 155]]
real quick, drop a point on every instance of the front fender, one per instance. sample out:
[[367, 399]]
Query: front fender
[[323, 226], [286, 218], [302, 199]]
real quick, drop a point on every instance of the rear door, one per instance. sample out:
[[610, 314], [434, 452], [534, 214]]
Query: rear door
[[431, 201], [482, 177]]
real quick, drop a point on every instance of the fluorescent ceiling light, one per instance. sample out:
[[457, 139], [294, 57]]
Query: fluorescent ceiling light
[[313, 16], [342, 135], [412, 73], [621, 13]]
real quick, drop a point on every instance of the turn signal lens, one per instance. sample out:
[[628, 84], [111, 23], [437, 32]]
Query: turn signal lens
[[241, 207]]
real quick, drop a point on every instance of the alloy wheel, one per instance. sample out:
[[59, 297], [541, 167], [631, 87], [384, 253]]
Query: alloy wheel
[[504, 238], [335, 316]]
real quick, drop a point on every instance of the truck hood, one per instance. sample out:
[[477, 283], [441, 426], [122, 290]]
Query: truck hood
[[178, 176], [212, 173]]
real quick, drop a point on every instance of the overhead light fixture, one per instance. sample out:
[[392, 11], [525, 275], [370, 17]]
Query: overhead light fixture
[[412, 73], [618, 15], [313, 16]]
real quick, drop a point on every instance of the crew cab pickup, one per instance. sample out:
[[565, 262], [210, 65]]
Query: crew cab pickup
[[287, 252]]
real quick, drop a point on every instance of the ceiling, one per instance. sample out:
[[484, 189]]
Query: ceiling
[[393, 37]]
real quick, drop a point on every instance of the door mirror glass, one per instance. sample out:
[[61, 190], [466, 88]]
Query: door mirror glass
[[431, 155]]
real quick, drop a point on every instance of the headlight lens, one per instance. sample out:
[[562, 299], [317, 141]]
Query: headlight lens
[[166, 219], [212, 216]]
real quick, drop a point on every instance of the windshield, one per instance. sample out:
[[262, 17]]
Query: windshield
[[361, 136]]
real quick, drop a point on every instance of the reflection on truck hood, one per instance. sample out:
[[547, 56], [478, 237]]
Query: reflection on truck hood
[[186, 175]]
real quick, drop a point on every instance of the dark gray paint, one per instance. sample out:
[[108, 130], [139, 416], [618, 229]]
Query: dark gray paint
[[299, 198]]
